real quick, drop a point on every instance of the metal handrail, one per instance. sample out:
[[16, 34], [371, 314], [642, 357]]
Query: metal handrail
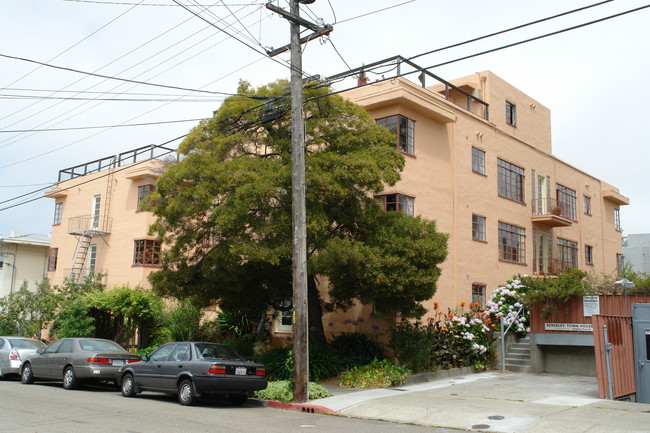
[[503, 339]]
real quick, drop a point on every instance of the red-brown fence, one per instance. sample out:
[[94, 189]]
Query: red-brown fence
[[619, 335]]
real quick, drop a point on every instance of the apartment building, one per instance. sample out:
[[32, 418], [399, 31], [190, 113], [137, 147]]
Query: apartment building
[[98, 223], [22, 259], [479, 161]]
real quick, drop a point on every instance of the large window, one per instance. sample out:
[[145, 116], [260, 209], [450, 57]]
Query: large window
[[146, 252], [567, 254], [511, 181], [478, 294], [404, 128], [52, 259], [393, 202], [478, 161], [511, 114], [589, 254], [58, 212], [512, 243], [566, 200], [617, 219], [144, 191], [478, 228]]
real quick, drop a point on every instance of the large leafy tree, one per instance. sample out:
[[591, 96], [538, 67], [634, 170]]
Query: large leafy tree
[[224, 211]]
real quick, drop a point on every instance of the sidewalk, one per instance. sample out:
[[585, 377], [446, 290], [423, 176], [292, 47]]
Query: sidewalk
[[492, 401]]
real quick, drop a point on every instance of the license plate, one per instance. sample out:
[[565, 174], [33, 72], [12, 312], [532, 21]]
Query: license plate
[[241, 371], [118, 362]]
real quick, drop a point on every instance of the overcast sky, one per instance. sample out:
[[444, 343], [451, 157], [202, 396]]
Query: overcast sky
[[593, 79]]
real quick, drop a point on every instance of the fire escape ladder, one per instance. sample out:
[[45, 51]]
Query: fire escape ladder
[[109, 192], [83, 245]]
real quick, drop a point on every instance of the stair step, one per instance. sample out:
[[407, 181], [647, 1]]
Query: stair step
[[517, 356], [517, 362]]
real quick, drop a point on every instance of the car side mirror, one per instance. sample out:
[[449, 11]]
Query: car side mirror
[[40, 351], [145, 358]]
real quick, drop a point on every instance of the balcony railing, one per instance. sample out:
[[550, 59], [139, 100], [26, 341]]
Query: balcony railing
[[550, 212], [553, 267], [89, 224]]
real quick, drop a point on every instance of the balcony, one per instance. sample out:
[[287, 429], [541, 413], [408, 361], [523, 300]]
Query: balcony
[[548, 212], [88, 225], [546, 266]]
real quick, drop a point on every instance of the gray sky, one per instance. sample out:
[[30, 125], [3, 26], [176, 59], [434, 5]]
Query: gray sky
[[591, 78]]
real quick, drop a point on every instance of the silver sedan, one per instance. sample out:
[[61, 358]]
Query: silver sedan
[[76, 360], [13, 350]]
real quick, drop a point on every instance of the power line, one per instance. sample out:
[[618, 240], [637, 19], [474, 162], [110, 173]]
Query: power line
[[156, 4], [105, 126], [377, 11], [73, 98]]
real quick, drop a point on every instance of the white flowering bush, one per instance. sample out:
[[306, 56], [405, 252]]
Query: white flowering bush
[[505, 302]]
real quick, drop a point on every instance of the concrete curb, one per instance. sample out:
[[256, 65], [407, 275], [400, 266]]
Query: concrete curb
[[300, 407]]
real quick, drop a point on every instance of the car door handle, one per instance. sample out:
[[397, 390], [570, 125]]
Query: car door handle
[[180, 365]]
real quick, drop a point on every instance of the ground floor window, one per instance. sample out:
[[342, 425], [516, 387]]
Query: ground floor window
[[478, 294]]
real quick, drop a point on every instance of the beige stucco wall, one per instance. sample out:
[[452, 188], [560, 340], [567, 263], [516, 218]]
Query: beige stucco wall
[[22, 263]]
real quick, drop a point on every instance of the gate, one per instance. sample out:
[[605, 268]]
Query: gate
[[621, 360], [641, 330]]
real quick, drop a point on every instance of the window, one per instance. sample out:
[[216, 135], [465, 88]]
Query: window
[[146, 252], [512, 243], [511, 181], [92, 258], [511, 114], [566, 200], [58, 212], [52, 259], [586, 204], [478, 161], [620, 263], [478, 228], [144, 191], [589, 254], [393, 202], [567, 254], [284, 317], [478, 294], [617, 219], [97, 200], [405, 130]]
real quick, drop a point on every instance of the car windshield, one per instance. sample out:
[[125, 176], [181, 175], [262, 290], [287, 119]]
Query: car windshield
[[100, 346], [216, 351], [17, 343]]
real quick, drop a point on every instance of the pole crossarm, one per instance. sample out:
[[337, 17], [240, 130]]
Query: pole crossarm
[[324, 31], [293, 18]]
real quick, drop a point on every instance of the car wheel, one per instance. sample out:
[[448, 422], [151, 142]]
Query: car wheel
[[238, 399], [26, 376], [70, 380], [128, 386], [186, 393]]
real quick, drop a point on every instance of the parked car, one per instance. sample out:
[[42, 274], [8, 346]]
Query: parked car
[[192, 370], [12, 352], [76, 360]]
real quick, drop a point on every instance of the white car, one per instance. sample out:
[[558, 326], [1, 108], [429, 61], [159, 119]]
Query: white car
[[13, 350]]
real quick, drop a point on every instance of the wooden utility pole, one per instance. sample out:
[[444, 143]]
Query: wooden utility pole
[[298, 210]]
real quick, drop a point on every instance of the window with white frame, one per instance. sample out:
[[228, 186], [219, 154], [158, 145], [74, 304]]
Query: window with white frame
[[397, 202], [478, 228], [617, 219], [478, 161]]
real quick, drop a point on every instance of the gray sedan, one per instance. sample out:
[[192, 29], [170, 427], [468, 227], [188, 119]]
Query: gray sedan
[[191, 370], [12, 352], [76, 360]]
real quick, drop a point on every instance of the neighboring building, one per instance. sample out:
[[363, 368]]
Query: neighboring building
[[637, 253], [98, 225], [479, 162], [22, 258]]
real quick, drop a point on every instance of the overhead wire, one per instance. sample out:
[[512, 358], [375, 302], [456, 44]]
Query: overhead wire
[[77, 128]]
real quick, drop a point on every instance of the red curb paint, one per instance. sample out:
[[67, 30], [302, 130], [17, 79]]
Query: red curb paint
[[300, 407]]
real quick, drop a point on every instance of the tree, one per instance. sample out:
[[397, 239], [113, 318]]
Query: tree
[[224, 211], [27, 313]]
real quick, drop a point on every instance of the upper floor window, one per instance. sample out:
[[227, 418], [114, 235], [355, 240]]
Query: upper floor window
[[404, 128], [58, 213], [478, 161], [567, 253], [478, 294], [146, 252], [478, 228], [511, 114], [393, 202], [511, 181], [589, 254], [52, 259], [144, 191], [617, 219], [586, 204], [512, 243], [620, 263], [566, 200]]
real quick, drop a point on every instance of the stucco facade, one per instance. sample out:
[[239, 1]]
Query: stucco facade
[[492, 166], [22, 259]]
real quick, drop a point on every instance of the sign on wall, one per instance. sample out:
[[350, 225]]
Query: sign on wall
[[575, 327], [590, 305]]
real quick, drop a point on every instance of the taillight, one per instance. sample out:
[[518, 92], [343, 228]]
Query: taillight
[[217, 369], [14, 355], [132, 360], [99, 360], [260, 371]]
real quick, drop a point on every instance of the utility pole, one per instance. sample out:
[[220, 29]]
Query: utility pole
[[298, 208]]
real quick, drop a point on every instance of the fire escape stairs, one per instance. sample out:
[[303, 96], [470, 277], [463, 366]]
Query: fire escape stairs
[[83, 245], [518, 356]]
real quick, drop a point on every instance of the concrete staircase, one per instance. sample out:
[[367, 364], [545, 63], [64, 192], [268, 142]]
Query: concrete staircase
[[518, 355]]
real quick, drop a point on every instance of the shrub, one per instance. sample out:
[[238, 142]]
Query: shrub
[[377, 374], [323, 362], [356, 348], [275, 362], [282, 390], [506, 302]]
